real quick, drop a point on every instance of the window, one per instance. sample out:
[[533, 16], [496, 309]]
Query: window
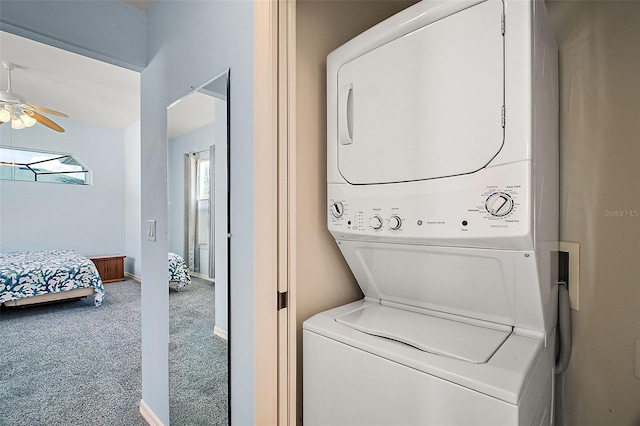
[[36, 166], [203, 179]]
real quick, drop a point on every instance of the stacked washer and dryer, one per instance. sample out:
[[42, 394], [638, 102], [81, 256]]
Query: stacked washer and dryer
[[443, 199]]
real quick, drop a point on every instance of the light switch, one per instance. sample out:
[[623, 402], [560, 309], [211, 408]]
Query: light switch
[[151, 230]]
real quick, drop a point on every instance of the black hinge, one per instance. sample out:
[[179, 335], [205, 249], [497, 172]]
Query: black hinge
[[503, 118], [502, 24], [283, 298]]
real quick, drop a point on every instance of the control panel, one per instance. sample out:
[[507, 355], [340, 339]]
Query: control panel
[[341, 215], [462, 209]]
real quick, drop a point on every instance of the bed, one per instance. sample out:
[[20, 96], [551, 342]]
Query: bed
[[44, 276], [178, 271]]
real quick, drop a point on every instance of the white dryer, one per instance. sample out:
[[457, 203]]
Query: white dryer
[[443, 199]]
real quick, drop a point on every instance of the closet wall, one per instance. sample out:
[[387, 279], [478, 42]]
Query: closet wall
[[599, 54]]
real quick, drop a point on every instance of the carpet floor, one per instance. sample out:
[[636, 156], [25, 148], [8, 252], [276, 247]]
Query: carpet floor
[[198, 372], [71, 363]]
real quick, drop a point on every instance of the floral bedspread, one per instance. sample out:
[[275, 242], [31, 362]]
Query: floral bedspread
[[178, 271], [32, 273]]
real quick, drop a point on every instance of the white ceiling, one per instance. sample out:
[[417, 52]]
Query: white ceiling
[[83, 88], [87, 89], [191, 112]]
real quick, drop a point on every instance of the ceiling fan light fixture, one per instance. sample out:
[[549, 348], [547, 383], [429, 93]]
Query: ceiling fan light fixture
[[28, 120], [22, 114], [17, 124]]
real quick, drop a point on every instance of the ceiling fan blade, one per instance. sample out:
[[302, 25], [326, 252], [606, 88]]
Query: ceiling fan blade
[[47, 122], [49, 111]]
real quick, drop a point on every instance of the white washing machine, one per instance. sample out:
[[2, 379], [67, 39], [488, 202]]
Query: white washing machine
[[443, 198]]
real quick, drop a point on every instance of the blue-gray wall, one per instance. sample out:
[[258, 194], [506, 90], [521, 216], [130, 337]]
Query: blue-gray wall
[[107, 30], [87, 218], [133, 229]]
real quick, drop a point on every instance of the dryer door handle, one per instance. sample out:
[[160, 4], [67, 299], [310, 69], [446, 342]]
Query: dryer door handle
[[345, 114]]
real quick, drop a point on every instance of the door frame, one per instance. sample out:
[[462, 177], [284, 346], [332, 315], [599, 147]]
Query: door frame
[[274, 212], [287, 330]]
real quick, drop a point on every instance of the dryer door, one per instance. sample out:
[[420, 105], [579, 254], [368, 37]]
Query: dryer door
[[426, 105]]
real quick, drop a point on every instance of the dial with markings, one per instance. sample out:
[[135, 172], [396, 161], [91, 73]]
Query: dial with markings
[[375, 222], [395, 222], [499, 204], [337, 209]]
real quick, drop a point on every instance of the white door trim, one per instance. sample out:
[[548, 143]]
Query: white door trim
[[274, 211], [287, 324], [266, 211]]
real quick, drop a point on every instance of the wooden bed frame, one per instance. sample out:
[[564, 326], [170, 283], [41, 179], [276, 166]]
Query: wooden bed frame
[[77, 294]]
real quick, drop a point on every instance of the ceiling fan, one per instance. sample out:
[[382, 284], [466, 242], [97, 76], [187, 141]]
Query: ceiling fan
[[21, 114]]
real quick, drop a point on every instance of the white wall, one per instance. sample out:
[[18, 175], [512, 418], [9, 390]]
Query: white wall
[[86, 218], [133, 231], [221, 255], [191, 42]]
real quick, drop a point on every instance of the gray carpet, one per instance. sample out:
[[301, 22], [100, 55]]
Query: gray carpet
[[74, 364], [198, 386]]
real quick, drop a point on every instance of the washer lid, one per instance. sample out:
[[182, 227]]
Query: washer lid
[[474, 343], [426, 105]]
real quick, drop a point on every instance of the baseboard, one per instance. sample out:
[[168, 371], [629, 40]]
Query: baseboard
[[133, 277], [148, 415], [202, 277], [220, 332]]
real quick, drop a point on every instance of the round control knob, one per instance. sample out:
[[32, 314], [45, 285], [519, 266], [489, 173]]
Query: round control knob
[[337, 209], [395, 222], [499, 204], [375, 222]]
